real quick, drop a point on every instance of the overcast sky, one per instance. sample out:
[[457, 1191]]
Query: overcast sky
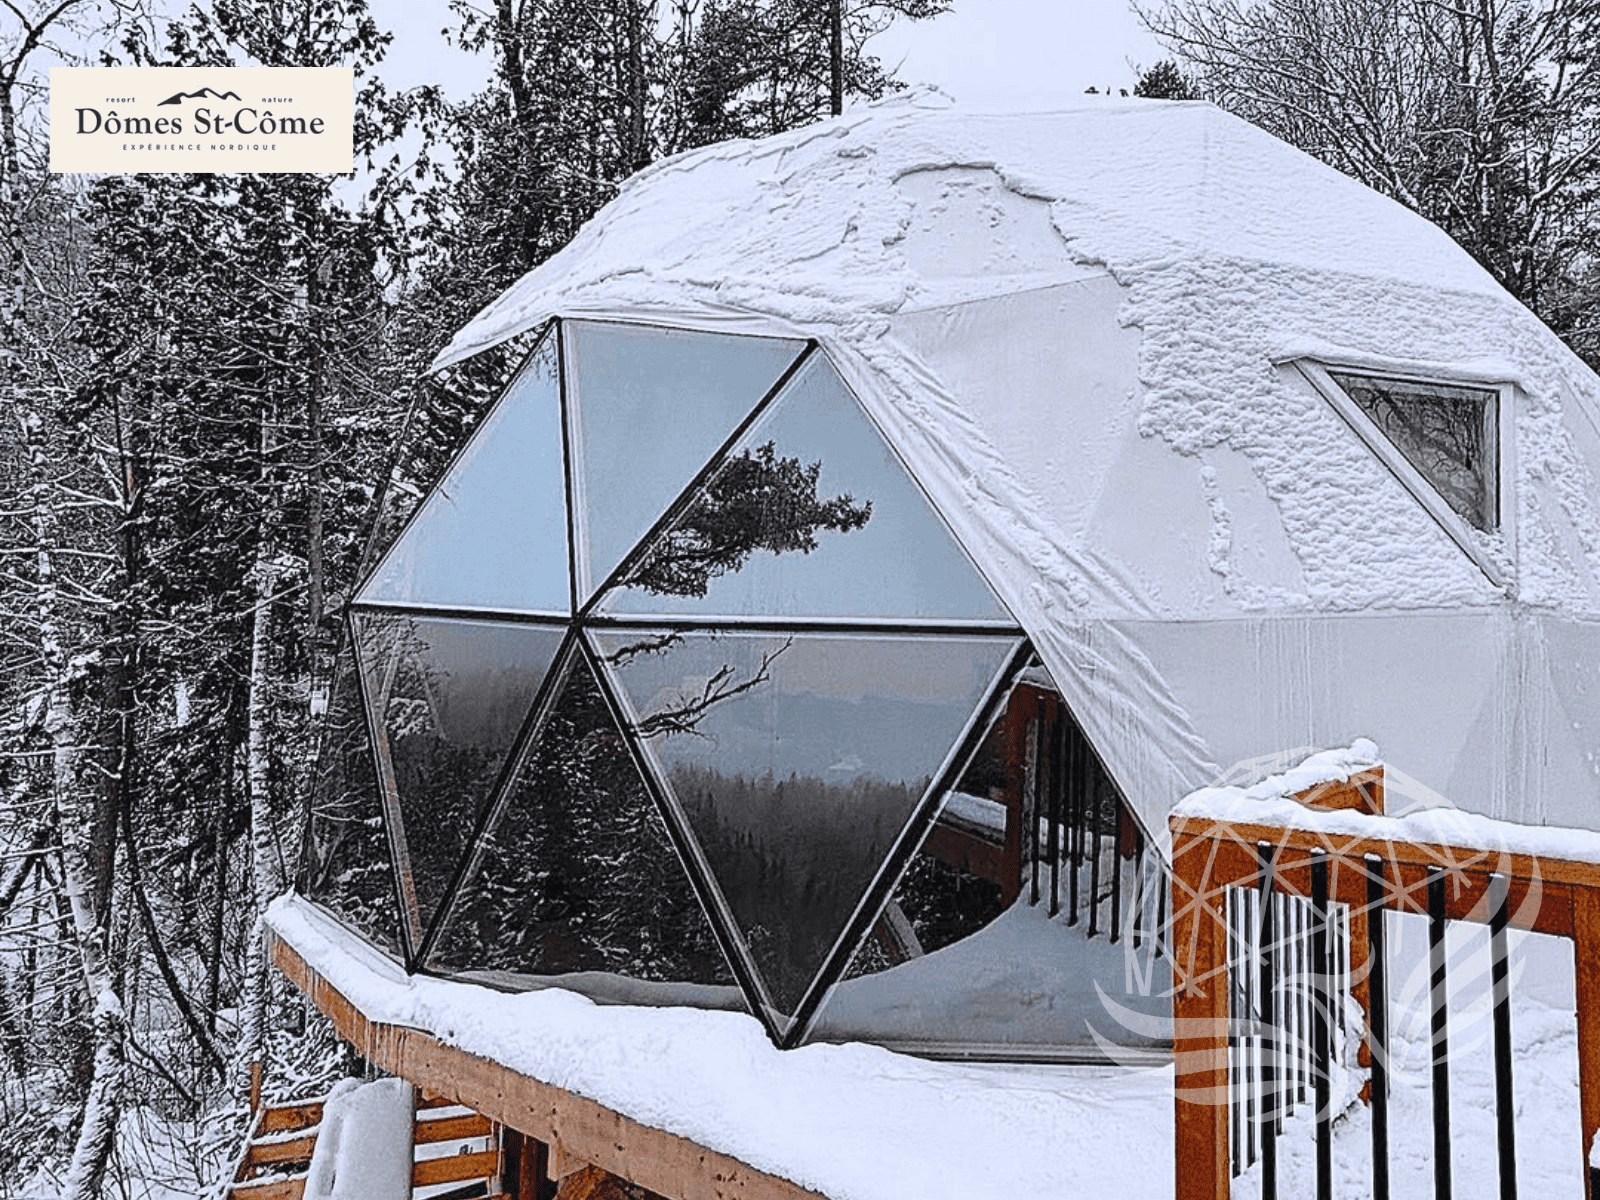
[[985, 52]]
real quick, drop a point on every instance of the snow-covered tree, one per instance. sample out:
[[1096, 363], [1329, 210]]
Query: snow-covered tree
[[1485, 118]]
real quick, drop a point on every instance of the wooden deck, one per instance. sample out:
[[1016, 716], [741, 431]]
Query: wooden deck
[[564, 1133]]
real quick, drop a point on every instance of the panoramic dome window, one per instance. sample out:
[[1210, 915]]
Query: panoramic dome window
[[677, 689]]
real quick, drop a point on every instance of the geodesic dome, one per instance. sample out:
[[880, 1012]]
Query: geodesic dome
[[894, 513]]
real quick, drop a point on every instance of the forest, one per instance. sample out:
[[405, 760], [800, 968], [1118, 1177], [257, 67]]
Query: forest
[[214, 405]]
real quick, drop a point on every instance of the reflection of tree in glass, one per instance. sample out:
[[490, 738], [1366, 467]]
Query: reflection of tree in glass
[[756, 501], [346, 863], [444, 751], [579, 873], [778, 857], [1441, 431], [686, 709]]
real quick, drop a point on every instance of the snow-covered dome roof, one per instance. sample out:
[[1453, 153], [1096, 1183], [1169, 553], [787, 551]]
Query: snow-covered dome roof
[[1122, 347]]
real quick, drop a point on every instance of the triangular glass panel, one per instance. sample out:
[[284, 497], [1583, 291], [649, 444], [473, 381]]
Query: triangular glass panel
[[450, 697], [1448, 432], [492, 534], [650, 407], [811, 515], [576, 883], [988, 949], [797, 762], [345, 865], [450, 405]]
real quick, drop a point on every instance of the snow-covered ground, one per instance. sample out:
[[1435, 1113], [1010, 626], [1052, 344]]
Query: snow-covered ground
[[856, 1122]]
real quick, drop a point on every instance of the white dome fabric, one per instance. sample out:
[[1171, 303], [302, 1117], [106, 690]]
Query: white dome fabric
[[1078, 329]]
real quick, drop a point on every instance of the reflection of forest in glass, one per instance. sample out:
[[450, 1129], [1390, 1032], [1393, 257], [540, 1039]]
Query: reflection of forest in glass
[[1445, 432], [578, 874], [803, 770], [346, 863], [453, 695], [791, 761], [935, 904], [792, 857]]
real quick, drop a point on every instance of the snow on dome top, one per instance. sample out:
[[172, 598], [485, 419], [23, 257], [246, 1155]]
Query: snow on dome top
[[1088, 334], [828, 210]]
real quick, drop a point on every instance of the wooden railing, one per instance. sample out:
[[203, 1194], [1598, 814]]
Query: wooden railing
[[1366, 868]]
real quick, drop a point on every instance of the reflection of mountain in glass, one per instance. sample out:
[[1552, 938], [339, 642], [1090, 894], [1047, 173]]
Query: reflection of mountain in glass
[[578, 873], [797, 786], [793, 857]]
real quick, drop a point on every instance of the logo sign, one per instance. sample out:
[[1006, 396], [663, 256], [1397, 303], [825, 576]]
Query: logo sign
[[127, 119]]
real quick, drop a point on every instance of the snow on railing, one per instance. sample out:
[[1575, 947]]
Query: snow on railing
[[1322, 848]]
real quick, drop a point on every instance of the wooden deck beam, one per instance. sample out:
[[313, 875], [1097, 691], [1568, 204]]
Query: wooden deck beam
[[670, 1166]]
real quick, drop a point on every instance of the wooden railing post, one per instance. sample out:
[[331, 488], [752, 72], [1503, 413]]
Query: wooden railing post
[[1586, 957], [525, 1166], [1199, 1025]]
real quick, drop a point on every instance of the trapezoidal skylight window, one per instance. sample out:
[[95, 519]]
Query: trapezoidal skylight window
[[665, 693], [1448, 432]]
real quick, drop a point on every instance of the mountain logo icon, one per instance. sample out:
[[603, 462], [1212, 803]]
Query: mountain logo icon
[[204, 93]]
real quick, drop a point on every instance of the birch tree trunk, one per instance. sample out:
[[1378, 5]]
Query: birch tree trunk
[[87, 857], [267, 866]]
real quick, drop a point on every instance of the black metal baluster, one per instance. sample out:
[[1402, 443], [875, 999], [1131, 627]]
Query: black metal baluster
[[1378, 1025], [1074, 815], [1235, 1071], [1441, 1036], [1092, 802], [1289, 983], [1269, 1038], [1036, 735], [1297, 986], [1116, 879], [1505, 1112], [1050, 733], [1075, 782], [1319, 1019], [1138, 888], [1247, 1041], [1303, 956], [1281, 1009]]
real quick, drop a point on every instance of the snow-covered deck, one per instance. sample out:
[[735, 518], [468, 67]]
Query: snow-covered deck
[[847, 1122], [706, 1098], [703, 1097]]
